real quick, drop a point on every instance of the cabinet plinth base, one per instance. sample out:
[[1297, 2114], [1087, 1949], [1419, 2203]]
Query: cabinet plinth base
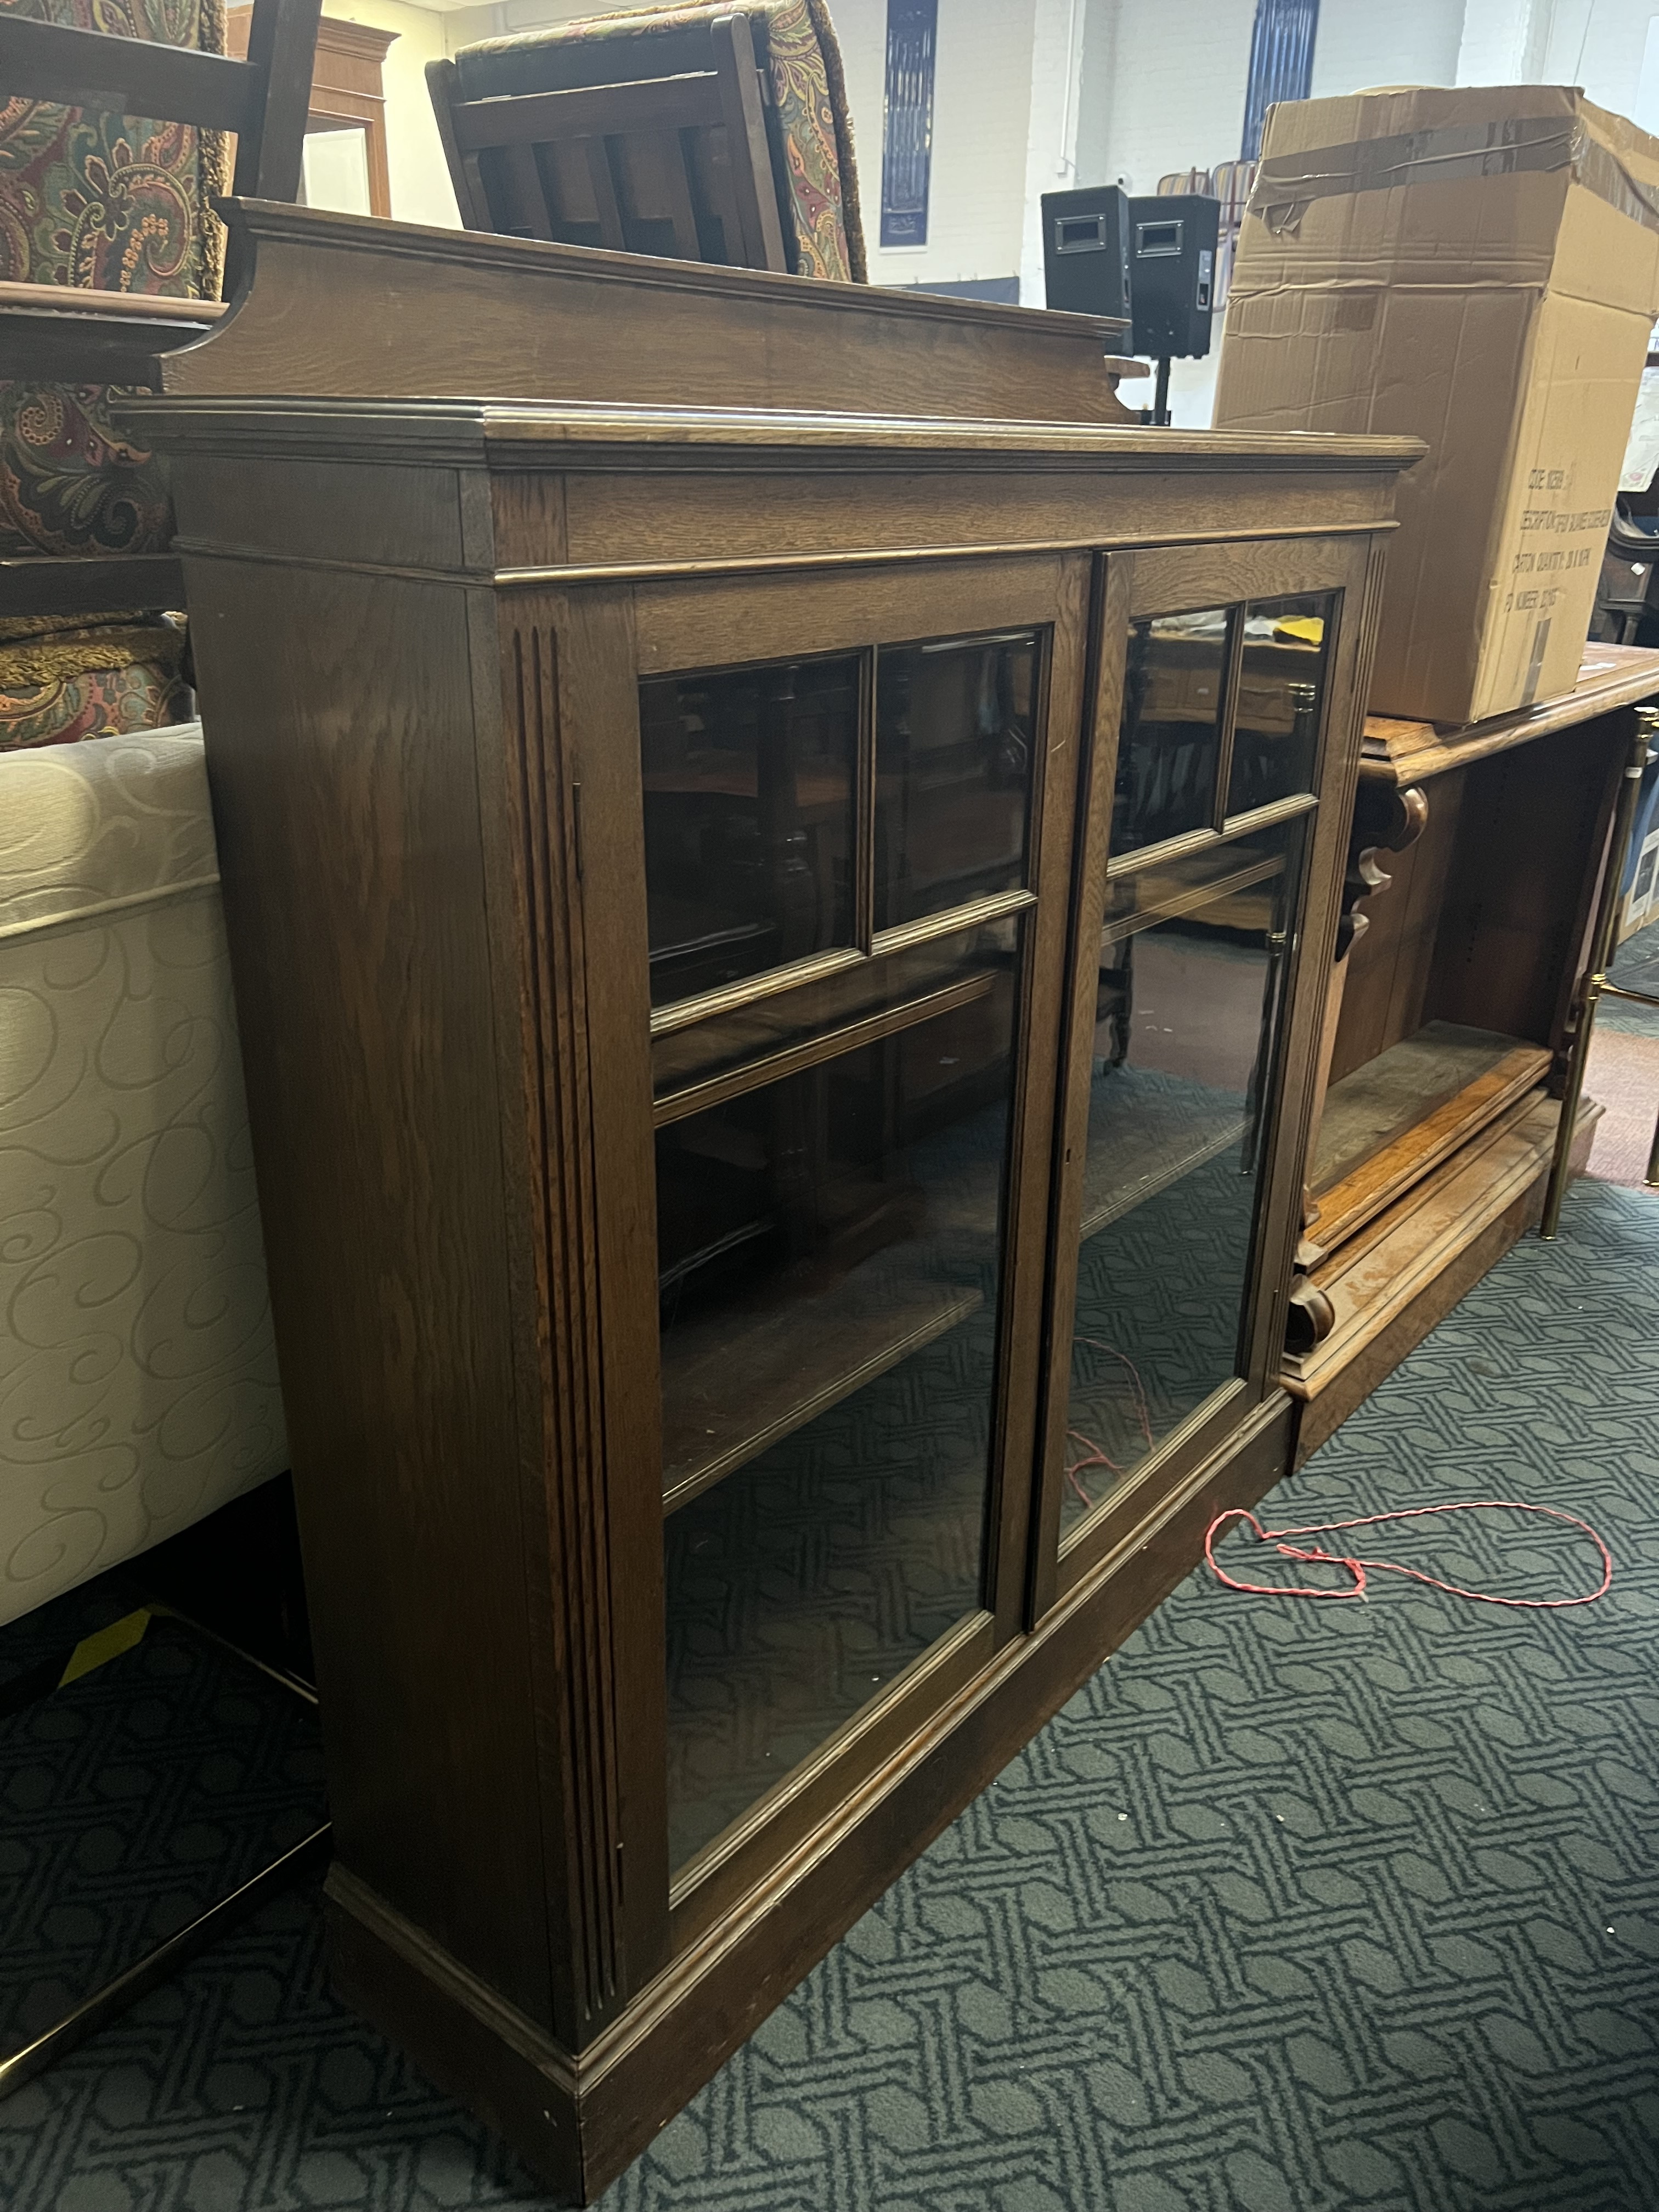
[[503, 2066], [1407, 1269], [580, 2121]]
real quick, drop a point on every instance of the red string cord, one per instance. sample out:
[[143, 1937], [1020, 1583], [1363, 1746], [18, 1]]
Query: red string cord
[[1093, 1454], [1356, 1567]]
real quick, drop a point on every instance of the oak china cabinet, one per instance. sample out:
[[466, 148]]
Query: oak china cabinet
[[780, 957]]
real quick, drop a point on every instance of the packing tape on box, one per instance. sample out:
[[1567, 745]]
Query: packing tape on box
[[1288, 182]]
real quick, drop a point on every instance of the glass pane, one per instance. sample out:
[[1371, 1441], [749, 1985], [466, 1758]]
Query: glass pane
[[1171, 743], [1190, 982], [1281, 687], [830, 1249], [871, 989], [749, 776], [335, 165], [955, 723]]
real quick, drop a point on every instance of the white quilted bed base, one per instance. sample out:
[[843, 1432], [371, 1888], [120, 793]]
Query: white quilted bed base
[[138, 1378]]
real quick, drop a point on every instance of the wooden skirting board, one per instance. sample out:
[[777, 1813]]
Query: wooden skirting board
[[1391, 1283]]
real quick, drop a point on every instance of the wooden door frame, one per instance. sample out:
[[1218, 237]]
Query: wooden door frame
[[1129, 585], [683, 623]]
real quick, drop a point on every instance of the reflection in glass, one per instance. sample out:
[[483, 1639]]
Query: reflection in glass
[[870, 990], [954, 732], [829, 1253], [749, 776], [1280, 690], [1191, 977], [1171, 742]]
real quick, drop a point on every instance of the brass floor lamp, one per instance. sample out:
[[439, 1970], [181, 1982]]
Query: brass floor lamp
[[1594, 986]]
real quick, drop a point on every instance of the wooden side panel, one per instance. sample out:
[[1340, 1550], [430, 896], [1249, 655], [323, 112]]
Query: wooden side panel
[[1032, 1164], [343, 510], [1516, 901], [1101, 719], [1392, 960], [585, 1268], [354, 885], [1307, 985], [424, 312]]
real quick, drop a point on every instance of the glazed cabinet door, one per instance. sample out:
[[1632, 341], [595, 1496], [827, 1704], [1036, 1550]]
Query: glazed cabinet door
[[852, 823], [1225, 716]]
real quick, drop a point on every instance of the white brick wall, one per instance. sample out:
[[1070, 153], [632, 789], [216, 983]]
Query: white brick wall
[[1504, 41], [1162, 82], [1600, 47], [1164, 87], [982, 107], [1407, 42]]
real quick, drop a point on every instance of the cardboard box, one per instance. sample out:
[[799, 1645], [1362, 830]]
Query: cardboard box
[[1481, 268]]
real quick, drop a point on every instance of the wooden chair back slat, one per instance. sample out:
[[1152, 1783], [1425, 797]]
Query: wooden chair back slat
[[602, 185], [282, 50], [679, 163], [124, 77], [654, 103], [655, 194], [747, 152], [264, 99], [526, 194], [708, 156]]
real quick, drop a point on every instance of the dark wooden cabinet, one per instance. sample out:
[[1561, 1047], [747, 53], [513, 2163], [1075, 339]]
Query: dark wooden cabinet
[[1474, 864], [781, 961]]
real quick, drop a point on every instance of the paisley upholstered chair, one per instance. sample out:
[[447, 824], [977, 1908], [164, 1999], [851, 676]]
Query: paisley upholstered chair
[[706, 132], [117, 210]]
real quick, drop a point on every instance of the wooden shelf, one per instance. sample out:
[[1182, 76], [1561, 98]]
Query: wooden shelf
[[1395, 1119], [748, 1377], [1165, 894], [1133, 1165], [1407, 1268], [1403, 753]]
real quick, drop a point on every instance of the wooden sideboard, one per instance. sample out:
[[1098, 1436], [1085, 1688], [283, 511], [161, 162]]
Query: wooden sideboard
[[1473, 871], [783, 959]]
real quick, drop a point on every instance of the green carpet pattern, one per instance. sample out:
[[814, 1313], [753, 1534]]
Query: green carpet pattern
[[1293, 1908]]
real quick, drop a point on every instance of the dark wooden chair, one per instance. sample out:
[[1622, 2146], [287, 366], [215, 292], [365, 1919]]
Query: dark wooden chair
[[677, 162], [713, 134], [68, 335]]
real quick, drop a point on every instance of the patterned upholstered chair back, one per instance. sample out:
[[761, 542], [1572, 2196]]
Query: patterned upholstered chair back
[[116, 205], [602, 176]]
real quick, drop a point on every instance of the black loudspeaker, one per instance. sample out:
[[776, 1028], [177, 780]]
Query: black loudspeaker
[[1172, 258], [1085, 250]]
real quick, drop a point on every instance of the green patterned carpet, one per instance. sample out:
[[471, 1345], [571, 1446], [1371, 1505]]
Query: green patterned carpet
[[1292, 1908]]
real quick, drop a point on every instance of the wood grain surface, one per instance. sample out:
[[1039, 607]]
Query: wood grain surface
[[421, 631]]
